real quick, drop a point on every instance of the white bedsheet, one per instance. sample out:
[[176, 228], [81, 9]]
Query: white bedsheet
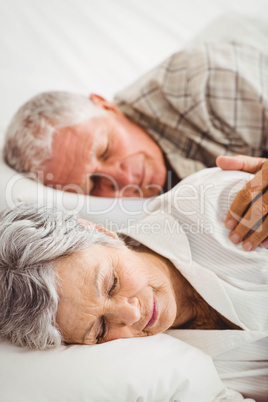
[[240, 357], [233, 282]]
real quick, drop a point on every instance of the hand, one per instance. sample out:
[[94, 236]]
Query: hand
[[247, 217]]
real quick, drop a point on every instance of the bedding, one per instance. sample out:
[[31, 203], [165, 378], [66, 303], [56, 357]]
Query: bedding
[[152, 369], [187, 227], [207, 100], [88, 46]]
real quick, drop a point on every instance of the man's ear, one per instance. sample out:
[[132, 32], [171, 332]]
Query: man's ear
[[89, 225], [103, 103]]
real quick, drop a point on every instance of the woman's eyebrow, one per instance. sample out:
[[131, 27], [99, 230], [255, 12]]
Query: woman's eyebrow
[[97, 294], [97, 281], [102, 280]]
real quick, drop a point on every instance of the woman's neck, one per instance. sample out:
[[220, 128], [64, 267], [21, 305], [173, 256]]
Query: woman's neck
[[201, 314], [193, 312]]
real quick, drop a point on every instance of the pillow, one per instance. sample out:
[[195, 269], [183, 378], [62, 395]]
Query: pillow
[[110, 212], [156, 368]]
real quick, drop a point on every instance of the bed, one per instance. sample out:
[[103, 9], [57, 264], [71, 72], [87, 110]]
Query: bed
[[89, 46]]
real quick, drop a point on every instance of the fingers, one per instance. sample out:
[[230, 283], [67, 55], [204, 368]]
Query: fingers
[[247, 217], [257, 237], [254, 188], [240, 162], [265, 243], [229, 163], [253, 227]]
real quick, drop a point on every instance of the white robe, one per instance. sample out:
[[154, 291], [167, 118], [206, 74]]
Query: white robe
[[186, 225]]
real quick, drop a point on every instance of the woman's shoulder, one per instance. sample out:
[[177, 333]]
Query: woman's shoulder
[[215, 176]]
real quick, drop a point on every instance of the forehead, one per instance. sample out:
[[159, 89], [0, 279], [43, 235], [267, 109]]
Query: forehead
[[74, 271], [77, 292], [73, 151]]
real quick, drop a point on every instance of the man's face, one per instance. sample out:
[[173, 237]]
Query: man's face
[[107, 156]]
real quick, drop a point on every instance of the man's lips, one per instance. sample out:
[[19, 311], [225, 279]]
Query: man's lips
[[153, 315]]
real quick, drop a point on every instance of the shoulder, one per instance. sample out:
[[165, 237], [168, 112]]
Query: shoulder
[[213, 182]]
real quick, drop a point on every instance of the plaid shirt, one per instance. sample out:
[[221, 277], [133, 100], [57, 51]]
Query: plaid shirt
[[208, 100]]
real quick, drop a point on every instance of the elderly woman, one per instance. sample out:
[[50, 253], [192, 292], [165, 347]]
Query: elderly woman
[[63, 279]]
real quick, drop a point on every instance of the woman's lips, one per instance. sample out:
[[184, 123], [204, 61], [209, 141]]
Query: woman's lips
[[154, 314]]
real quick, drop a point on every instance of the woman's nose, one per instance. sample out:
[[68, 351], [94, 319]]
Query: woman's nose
[[127, 310]]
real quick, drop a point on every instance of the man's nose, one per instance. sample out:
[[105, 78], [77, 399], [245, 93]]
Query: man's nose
[[126, 310], [119, 173]]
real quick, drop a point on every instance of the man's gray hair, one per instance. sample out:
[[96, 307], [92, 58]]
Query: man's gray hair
[[31, 240], [28, 142]]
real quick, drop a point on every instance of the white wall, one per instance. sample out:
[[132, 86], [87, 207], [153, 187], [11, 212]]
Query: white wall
[[94, 45]]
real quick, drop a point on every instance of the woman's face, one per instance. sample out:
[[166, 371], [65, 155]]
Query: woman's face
[[109, 293]]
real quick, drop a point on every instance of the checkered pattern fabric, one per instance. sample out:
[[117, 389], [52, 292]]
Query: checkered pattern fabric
[[208, 100]]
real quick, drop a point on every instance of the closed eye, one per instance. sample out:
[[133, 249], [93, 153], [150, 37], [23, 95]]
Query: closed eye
[[94, 179], [103, 330], [105, 154], [113, 287]]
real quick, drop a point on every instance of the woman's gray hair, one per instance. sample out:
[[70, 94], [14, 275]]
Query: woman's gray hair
[[31, 240], [28, 142]]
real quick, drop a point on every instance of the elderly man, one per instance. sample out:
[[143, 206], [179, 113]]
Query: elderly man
[[206, 101]]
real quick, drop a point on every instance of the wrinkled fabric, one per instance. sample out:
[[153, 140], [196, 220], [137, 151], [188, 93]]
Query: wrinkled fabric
[[208, 100], [186, 226]]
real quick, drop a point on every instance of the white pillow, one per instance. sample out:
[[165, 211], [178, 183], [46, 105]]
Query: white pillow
[[159, 368], [110, 212]]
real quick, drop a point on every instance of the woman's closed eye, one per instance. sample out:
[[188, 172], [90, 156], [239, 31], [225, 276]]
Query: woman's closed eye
[[113, 287], [103, 327], [102, 332]]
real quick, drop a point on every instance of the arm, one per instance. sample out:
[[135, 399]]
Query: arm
[[247, 217]]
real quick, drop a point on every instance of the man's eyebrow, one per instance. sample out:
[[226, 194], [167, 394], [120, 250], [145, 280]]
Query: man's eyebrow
[[91, 156], [93, 150], [97, 294]]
